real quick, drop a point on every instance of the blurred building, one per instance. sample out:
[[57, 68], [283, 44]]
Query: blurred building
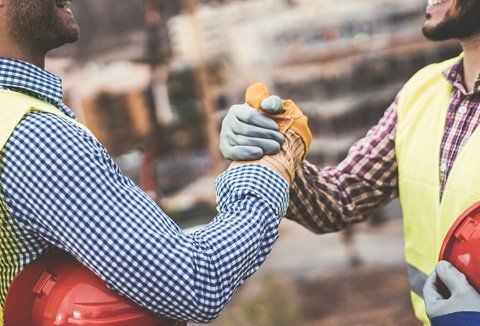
[[342, 61], [254, 37], [109, 98]]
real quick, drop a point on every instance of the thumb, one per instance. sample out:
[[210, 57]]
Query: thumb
[[451, 277], [273, 105], [430, 290]]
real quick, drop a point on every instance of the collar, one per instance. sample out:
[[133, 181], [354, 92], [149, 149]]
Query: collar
[[27, 77], [454, 75]]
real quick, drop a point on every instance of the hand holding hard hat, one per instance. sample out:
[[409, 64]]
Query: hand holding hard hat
[[463, 297], [58, 290], [454, 286]]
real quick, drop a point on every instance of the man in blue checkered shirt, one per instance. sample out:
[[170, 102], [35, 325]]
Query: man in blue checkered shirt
[[59, 188]]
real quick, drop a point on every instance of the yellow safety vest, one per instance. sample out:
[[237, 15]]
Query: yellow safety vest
[[14, 253], [422, 112]]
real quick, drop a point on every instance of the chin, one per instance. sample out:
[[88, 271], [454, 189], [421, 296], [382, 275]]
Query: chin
[[429, 28], [72, 35], [65, 36], [437, 30], [68, 33]]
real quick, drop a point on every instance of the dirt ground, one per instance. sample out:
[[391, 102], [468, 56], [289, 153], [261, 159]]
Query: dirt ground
[[363, 297], [310, 280]]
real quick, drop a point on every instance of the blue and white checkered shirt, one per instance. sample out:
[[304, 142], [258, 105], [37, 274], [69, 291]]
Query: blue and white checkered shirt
[[61, 188]]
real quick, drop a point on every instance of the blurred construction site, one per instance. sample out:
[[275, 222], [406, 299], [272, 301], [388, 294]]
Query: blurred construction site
[[154, 78]]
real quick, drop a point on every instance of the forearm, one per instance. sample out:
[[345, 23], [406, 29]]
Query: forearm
[[192, 277], [252, 199], [328, 199]]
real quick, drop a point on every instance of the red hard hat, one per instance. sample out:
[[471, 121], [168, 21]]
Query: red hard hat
[[58, 290], [461, 246]]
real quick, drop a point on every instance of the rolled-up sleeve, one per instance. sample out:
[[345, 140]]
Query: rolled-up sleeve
[[60, 183]]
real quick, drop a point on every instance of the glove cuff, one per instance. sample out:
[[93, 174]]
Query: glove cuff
[[285, 162]]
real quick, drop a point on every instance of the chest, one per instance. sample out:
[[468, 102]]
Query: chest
[[462, 120], [438, 137]]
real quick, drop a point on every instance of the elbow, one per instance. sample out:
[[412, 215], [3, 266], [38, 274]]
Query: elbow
[[201, 314], [207, 310], [207, 318], [207, 315]]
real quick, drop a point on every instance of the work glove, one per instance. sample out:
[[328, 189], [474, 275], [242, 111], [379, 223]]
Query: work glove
[[464, 298], [292, 124], [250, 134]]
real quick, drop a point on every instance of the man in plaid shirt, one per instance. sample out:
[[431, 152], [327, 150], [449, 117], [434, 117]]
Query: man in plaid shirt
[[331, 198]]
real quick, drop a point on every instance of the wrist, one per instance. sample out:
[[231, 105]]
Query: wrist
[[276, 163], [285, 162]]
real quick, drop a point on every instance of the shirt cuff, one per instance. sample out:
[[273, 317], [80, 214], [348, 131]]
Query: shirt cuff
[[458, 319], [252, 180]]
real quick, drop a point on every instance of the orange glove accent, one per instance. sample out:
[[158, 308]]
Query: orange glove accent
[[291, 119]]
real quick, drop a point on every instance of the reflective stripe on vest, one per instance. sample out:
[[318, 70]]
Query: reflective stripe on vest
[[416, 279], [16, 249], [422, 111]]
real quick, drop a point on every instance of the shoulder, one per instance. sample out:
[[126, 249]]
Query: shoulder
[[48, 152], [50, 162], [426, 74], [39, 127], [43, 139], [425, 86]]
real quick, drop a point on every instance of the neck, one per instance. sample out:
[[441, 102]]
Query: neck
[[471, 63], [14, 51]]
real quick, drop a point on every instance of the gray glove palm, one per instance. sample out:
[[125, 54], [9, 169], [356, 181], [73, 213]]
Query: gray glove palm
[[247, 134], [463, 296]]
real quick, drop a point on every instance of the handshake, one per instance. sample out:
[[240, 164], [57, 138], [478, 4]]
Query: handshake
[[267, 131]]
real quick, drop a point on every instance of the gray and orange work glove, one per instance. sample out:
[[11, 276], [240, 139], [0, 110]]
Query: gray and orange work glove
[[461, 306], [267, 131]]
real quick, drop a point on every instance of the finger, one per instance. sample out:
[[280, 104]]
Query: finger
[[255, 94], [430, 290], [268, 146], [247, 130], [244, 153], [273, 105], [451, 277], [254, 117], [225, 148]]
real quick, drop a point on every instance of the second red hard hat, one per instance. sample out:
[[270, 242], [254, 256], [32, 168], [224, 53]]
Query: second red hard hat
[[461, 246]]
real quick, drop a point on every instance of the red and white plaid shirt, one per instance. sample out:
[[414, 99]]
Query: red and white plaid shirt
[[329, 199]]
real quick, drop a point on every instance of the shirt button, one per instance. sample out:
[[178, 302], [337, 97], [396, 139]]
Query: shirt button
[[462, 110], [443, 167]]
